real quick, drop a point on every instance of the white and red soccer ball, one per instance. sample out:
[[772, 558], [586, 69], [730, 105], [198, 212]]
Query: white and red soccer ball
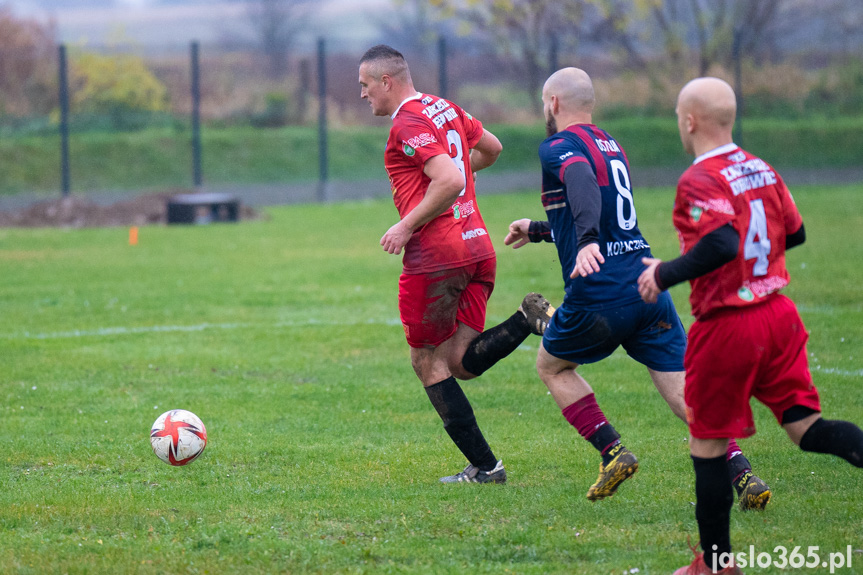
[[178, 437]]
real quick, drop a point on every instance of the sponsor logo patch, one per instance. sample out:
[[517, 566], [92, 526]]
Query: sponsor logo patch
[[409, 151], [423, 139], [720, 205], [463, 210], [745, 294], [475, 233]]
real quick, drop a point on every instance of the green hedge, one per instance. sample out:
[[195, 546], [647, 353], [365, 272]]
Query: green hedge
[[161, 158]]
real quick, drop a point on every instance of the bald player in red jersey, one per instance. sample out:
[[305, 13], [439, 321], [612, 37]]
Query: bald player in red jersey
[[433, 150], [735, 219]]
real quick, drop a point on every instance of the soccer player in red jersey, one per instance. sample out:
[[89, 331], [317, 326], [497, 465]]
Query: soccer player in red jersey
[[735, 219], [433, 150]]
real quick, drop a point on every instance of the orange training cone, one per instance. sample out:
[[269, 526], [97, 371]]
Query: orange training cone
[[133, 236]]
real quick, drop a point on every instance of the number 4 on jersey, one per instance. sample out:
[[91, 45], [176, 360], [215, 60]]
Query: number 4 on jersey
[[753, 248]]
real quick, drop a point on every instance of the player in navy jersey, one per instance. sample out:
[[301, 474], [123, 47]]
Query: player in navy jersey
[[735, 219], [449, 263], [587, 196]]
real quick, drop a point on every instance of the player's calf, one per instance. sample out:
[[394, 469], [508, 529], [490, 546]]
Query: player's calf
[[835, 437], [496, 343]]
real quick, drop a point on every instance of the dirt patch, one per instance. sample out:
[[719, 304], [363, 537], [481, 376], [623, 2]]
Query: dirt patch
[[79, 212]]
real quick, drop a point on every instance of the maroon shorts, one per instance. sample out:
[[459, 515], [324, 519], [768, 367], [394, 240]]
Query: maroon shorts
[[432, 305], [736, 354]]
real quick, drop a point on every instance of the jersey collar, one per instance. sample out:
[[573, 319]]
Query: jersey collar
[[716, 152], [416, 96]]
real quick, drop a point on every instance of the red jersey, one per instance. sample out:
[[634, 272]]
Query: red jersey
[[729, 185], [423, 127]]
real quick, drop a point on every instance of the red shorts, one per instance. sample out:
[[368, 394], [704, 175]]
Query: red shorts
[[432, 305], [736, 354]]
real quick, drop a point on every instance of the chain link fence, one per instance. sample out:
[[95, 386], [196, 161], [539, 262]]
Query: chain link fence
[[126, 118]]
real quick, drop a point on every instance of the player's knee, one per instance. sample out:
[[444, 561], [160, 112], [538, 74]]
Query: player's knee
[[467, 366], [430, 372], [798, 420], [549, 370], [459, 370]]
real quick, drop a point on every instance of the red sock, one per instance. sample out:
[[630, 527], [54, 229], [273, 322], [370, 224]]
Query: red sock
[[585, 415], [733, 449]]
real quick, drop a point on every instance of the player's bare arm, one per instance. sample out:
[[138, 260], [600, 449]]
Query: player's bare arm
[[485, 152], [446, 184]]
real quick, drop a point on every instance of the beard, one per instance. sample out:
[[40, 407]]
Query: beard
[[550, 125]]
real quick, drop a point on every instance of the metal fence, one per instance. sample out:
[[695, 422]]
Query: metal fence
[[211, 88]]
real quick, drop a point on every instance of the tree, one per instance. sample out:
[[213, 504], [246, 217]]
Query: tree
[[412, 25], [415, 26], [275, 23], [524, 31], [710, 28], [821, 27], [120, 87], [27, 65]]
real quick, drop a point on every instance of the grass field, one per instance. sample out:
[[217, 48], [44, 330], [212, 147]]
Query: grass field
[[161, 157], [324, 453]]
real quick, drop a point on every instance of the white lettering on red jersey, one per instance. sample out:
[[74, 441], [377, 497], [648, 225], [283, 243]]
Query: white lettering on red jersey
[[731, 186]]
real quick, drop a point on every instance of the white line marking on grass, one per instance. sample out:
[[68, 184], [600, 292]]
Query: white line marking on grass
[[826, 309], [835, 371], [106, 331]]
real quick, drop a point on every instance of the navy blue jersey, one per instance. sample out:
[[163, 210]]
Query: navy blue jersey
[[619, 239]]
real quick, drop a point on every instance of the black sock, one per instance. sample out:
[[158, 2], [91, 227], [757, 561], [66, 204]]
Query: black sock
[[459, 422], [737, 468], [713, 501], [496, 343], [605, 440], [836, 437]]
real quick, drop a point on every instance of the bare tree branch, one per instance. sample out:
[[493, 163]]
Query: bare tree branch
[[276, 22]]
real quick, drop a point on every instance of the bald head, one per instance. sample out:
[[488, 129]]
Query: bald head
[[706, 109], [573, 89], [567, 99], [711, 100]]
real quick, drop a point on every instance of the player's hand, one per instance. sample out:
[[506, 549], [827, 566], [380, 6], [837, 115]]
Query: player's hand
[[518, 233], [396, 238], [587, 261], [647, 288]]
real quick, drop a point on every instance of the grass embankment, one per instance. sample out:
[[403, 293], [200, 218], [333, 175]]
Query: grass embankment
[[162, 158]]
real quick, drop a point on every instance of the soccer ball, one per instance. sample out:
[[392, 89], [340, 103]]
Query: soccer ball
[[178, 437]]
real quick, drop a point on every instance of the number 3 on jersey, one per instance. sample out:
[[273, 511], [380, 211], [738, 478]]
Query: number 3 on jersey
[[757, 249], [454, 141]]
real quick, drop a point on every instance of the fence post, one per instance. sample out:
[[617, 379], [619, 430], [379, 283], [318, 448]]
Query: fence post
[[738, 85], [64, 121], [443, 89], [322, 122], [197, 176]]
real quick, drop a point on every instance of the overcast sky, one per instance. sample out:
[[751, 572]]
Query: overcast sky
[[149, 24]]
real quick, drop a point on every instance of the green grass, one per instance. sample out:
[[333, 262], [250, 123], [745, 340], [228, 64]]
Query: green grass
[[161, 158], [324, 453]]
